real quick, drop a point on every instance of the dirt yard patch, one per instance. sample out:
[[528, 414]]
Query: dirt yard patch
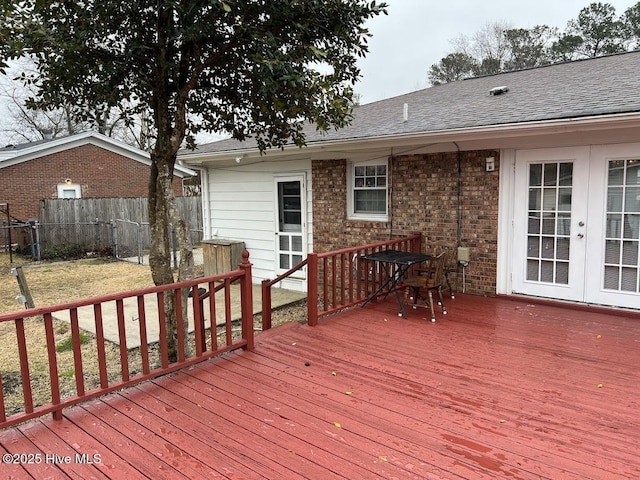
[[59, 282]]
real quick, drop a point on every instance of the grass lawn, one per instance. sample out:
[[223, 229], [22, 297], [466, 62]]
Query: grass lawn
[[52, 283]]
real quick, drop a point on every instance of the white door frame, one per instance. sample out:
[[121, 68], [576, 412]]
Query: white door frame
[[601, 155], [575, 288], [303, 234], [590, 200]]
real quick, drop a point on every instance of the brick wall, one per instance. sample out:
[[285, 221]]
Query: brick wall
[[423, 198], [99, 172]]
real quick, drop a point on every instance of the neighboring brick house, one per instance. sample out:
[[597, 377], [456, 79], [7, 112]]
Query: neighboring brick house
[[85, 165], [536, 171]]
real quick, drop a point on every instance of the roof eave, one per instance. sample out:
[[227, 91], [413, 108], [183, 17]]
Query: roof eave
[[465, 134]]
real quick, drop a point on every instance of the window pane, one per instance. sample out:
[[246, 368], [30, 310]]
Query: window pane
[[550, 174], [629, 281], [564, 199], [546, 272], [614, 226], [632, 199], [535, 195], [532, 270], [534, 224], [549, 199], [562, 273], [616, 172], [296, 244], [533, 247], [370, 201], [564, 224], [633, 172], [284, 261], [548, 247], [549, 224], [614, 199], [630, 253], [563, 249], [535, 175], [566, 174], [632, 227], [612, 251], [611, 278]]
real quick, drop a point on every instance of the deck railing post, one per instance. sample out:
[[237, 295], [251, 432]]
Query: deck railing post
[[312, 289], [246, 300], [266, 305]]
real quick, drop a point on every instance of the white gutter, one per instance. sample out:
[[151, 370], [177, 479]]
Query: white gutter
[[545, 127]]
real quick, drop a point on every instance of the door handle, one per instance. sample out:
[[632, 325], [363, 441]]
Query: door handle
[[580, 235]]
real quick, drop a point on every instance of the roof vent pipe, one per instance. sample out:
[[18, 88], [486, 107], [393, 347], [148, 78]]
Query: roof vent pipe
[[405, 112]]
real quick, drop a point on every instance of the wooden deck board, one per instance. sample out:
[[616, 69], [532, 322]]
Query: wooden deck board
[[494, 389]]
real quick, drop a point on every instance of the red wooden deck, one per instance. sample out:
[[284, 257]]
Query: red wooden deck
[[496, 389]]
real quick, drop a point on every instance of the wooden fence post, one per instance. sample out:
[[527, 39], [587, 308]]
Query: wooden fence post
[[246, 300], [24, 288], [312, 289]]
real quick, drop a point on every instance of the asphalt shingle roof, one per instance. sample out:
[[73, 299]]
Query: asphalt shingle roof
[[597, 86]]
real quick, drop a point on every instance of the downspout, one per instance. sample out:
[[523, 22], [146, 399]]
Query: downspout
[[207, 232], [390, 186], [459, 206]]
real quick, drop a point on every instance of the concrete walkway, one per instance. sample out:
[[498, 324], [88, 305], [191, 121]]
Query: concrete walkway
[[86, 321]]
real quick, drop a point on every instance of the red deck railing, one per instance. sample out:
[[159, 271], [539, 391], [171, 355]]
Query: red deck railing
[[342, 278], [202, 347], [338, 279]]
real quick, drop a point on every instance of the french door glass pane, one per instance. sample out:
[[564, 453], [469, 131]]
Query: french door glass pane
[[549, 225], [622, 259]]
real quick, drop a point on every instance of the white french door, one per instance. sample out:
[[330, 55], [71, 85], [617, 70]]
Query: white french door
[[577, 224], [550, 222], [290, 222]]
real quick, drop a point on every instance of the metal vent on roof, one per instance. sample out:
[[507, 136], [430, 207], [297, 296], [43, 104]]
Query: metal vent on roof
[[498, 90]]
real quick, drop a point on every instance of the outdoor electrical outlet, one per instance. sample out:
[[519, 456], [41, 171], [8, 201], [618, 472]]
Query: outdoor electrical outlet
[[463, 254]]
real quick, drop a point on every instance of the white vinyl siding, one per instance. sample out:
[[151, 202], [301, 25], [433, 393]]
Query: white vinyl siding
[[242, 208]]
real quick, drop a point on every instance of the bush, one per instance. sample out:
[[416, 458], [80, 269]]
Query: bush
[[63, 252]]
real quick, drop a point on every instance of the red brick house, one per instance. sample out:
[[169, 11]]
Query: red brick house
[[85, 165], [536, 171]]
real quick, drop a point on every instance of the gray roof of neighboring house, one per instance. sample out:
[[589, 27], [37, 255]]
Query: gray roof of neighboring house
[[10, 155], [596, 86]]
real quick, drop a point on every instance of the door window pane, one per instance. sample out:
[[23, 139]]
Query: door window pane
[[622, 259], [549, 222]]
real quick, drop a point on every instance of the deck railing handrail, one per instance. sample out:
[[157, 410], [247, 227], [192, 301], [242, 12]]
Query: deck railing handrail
[[266, 292], [340, 279], [348, 257], [214, 283]]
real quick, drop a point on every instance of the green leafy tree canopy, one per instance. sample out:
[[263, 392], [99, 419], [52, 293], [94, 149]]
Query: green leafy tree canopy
[[252, 68]]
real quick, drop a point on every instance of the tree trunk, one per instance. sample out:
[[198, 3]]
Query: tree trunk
[[163, 214]]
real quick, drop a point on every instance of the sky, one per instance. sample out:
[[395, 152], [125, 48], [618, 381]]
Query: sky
[[418, 33]]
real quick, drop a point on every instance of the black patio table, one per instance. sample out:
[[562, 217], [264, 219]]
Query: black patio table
[[395, 263]]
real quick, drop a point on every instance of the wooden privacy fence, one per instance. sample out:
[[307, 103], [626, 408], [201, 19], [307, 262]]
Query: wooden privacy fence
[[107, 223], [150, 360], [338, 279]]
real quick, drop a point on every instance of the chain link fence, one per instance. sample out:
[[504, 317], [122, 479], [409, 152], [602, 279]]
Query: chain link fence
[[123, 239]]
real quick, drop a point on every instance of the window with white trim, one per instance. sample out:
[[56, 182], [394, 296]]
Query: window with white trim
[[368, 190], [69, 190]]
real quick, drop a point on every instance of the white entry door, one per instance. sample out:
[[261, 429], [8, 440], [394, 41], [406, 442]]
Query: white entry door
[[577, 224], [290, 223], [550, 222]]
